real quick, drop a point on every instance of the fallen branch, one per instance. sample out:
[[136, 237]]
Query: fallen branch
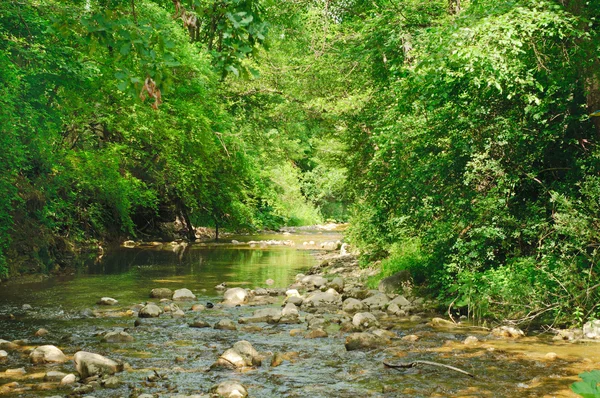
[[416, 363]]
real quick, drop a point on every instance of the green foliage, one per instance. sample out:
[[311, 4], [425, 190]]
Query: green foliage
[[588, 388]]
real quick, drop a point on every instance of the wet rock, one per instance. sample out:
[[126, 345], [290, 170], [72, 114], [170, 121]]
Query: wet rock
[[68, 380], [510, 332], [229, 389], [364, 341], [221, 286], [591, 329], [276, 292], [87, 313], [441, 323], [316, 333], [47, 354], [295, 300], [261, 292], [3, 355], [415, 318], [314, 281], [183, 295], [337, 284], [54, 375], [41, 332], [177, 314], [364, 320], [118, 337], [107, 301], [386, 334], [129, 244], [241, 355], [90, 364], [235, 296], [225, 324], [150, 310], [161, 292], [322, 300], [15, 372], [112, 382], [470, 340], [377, 302], [26, 307], [199, 323], [8, 345], [352, 305], [551, 356], [276, 360], [296, 332], [394, 283], [410, 337], [289, 314], [198, 307], [316, 322], [269, 315]]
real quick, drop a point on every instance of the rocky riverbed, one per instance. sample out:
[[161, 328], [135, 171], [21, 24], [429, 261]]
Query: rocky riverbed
[[324, 335]]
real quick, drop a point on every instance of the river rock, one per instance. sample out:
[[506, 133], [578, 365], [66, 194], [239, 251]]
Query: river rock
[[8, 345], [261, 291], [235, 296], [3, 355], [241, 355], [316, 334], [386, 334], [183, 295], [15, 372], [361, 341], [470, 340], [229, 389], [337, 284], [410, 337], [401, 301], [394, 309], [510, 332], [107, 301], [90, 364], [591, 329], [269, 315], [289, 314], [352, 305], [198, 307], [377, 302], [225, 324], [199, 323], [161, 292], [68, 380], [54, 375], [47, 354], [26, 307], [295, 300], [150, 310], [393, 284], [41, 332], [112, 382], [314, 281], [118, 337], [364, 320], [322, 300], [441, 323]]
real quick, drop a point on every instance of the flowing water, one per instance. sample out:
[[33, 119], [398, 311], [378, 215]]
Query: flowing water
[[318, 367]]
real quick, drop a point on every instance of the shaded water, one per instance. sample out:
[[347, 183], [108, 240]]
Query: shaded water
[[314, 367]]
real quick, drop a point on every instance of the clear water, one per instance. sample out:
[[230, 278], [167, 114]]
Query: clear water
[[315, 368]]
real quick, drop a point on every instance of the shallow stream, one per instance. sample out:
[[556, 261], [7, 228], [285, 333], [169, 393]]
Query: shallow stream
[[319, 367]]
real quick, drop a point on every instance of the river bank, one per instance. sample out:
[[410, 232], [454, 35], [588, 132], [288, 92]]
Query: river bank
[[314, 330]]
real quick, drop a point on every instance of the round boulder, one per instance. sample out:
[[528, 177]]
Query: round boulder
[[229, 389], [235, 296], [90, 364], [161, 292], [47, 354], [183, 295], [150, 311]]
